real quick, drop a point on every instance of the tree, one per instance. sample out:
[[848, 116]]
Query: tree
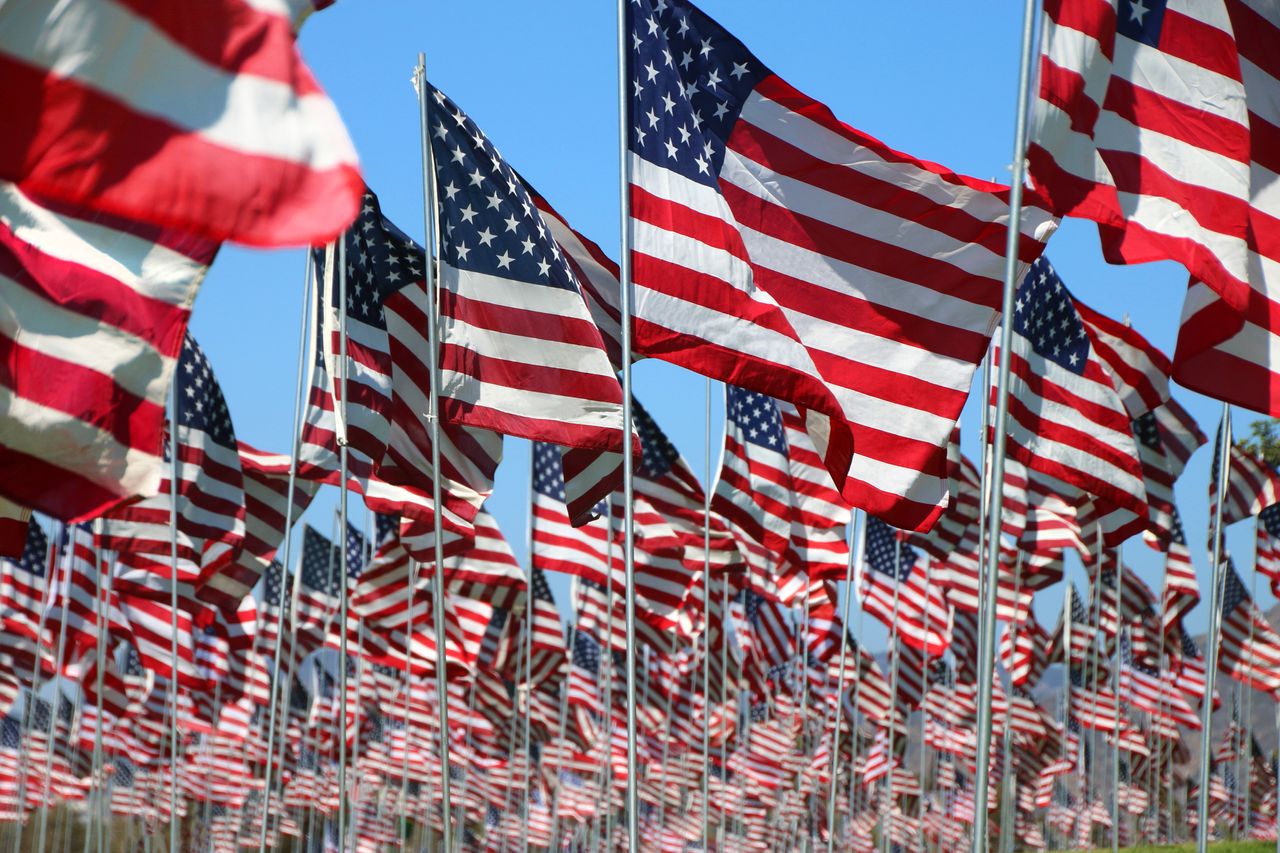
[[1264, 440]]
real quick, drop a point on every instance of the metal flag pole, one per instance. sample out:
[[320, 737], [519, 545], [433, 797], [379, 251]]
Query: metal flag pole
[[924, 677], [987, 651], [57, 689], [1245, 755], [706, 626], [628, 484], [1007, 817], [430, 224], [894, 667], [343, 468], [101, 591], [1090, 787], [528, 655], [1066, 676], [1215, 628], [173, 614], [724, 696], [560, 739], [294, 439], [856, 545], [1115, 686], [1157, 759]]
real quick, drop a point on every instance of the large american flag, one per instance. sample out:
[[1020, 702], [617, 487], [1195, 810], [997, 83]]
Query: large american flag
[[763, 229], [209, 123], [520, 354], [1126, 91], [385, 418], [1253, 483], [1249, 648], [1066, 419], [97, 310]]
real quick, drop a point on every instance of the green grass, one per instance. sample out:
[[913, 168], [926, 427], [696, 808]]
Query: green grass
[[1217, 847]]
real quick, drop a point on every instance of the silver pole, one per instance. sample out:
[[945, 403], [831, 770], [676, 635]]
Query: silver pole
[[528, 656], [294, 439], [1215, 629], [1007, 816], [57, 690], [343, 463], [1245, 756], [706, 627], [628, 518], [924, 714], [173, 613], [894, 667], [430, 224], [101, 592], [1115, 733], [564, 716], [724, 695], [987, 652], [855, 557]]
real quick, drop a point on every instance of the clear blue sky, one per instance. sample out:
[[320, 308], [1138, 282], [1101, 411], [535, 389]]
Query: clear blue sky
[[936, 80]]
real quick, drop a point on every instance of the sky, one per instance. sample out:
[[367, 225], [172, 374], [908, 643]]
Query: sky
[[935, 80]]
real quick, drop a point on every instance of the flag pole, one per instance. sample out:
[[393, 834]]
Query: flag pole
[[57, 689], [1008, 818], [528, 655], [628, 518], [724, 695], [1245, 758], [173, 615], [1066, 677], [433, 418], [1115, 681], [101, 591], [987, 652], [856, 545], [1215, 627], [294, 438], [560, 738], [343, 468], [706, 621], [895, 644], [924, 678]]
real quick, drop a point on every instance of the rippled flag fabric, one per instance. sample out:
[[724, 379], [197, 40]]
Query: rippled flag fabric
[[762, 228], [209, 123]]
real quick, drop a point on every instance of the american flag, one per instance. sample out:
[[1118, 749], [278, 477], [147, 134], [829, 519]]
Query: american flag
[[266, 501], [1065, 418], [212, 125], [895, 590], [1249, 648], [384, 421], [1267, 547], [744, 284], [1181, 590], [24, 585], [587, 551], [1116, 80], [545, 635], [1024, 652], [85, 413], [1253, 483], [1083, 632], [520, 354], [1153, 689], [210, 509], [1166, 438]]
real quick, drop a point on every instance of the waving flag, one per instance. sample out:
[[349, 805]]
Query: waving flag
[[210, 488], [520, 353], [96, 308], [763, 229], [1253, 483], [209, 123], [894, 589], [1249, 648], [1181, 589], [1065, 418], [1267, 548], [1024, 652], [384, 420]]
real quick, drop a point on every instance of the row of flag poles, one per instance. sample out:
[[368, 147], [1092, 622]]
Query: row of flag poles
[[405, 682]]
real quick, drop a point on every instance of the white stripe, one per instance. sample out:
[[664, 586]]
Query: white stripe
[[108, 48]]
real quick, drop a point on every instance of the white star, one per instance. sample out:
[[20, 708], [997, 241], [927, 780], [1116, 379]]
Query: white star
[[721, 109], [635, 84], [713, 79], [667, 60], [476, 178], [671, 149], [1018, 305], [706, 46], [640, 135], [739, 68], [486, 237], [512, 223], [459, 155], [450, 191], [495, 201], [668, 104], [1073, 358], [462, 251], [543, 268], [651, 71], [653, 118], [441, 133], [686, 59], [1138, 11], [468, 214], [684, 25], [653, 26], [504, 261], [684, 135], [528, 246], [702, 165]]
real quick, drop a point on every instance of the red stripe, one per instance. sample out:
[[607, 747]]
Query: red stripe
[[1065, 89], [519, 320], [63, 142], [1198, 43], [1171, 117]]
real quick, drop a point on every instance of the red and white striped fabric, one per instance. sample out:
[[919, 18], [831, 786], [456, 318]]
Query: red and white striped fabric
[[1024, 652], [96, 307], [1253, 484], [266, 487], [1167, 436], [1181, 590], [1156, 692], [1066, 419], [1267, 557], [1228, 346], [1249, 648], [763, 228], [923, 615], [13, 527], [209, 123]]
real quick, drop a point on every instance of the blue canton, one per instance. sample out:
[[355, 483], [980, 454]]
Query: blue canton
[[1270, 518], [1233, 592], [883, 545], [548, 471], [200, 404], [689, 81], [489, 223], [1141, 20], [34, 552], [318, 556], [657, 453], [758, 418], [1045, 315]]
